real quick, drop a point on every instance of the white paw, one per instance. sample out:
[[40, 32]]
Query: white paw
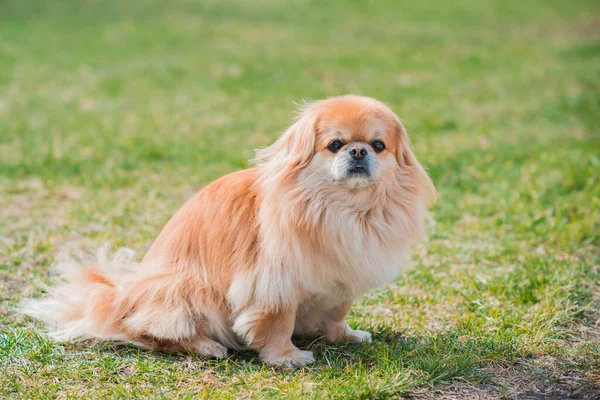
[[292, 359], [357, 336], [210, 348]]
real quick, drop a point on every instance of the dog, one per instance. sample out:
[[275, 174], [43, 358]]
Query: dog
[[329, 211]]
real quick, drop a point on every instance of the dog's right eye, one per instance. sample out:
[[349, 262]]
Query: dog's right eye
[[335, 146]]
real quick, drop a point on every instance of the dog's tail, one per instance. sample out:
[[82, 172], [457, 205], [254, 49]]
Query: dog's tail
[[83, 301], [110, 298]]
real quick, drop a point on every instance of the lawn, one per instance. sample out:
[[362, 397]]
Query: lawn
[[113, 113]]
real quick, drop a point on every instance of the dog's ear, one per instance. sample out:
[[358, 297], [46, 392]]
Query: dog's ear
[[409, 163], [294, 149]]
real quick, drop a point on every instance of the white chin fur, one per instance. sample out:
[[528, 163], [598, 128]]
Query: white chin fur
[[355, 183]]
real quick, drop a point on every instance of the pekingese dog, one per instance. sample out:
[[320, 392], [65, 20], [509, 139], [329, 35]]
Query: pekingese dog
[[331, 210]]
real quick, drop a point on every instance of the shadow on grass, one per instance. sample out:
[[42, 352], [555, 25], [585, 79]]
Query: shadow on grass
[[427, 359]]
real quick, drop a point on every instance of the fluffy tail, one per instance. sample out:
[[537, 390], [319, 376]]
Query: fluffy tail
[[86, 301]]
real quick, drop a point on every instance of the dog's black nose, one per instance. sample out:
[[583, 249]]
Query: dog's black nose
[[358, 152]]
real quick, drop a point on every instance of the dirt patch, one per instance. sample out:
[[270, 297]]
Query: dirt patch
[[540, 379]]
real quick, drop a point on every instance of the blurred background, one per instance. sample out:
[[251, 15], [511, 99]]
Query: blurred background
[[113, 113]]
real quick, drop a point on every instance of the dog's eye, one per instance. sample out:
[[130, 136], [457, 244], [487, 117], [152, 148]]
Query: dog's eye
[[335, 146], [378, 146]]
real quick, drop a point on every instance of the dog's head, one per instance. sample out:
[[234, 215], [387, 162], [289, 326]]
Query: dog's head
[[351, 143]]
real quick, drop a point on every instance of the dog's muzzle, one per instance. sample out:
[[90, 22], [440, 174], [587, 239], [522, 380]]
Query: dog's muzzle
[[359, 168], [358, 161]]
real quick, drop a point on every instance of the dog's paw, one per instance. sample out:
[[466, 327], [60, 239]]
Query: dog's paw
[[291, 359], [357, 336], [209, 348]]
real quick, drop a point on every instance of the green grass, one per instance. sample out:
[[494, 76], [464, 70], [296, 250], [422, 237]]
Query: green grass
[[113, 113]]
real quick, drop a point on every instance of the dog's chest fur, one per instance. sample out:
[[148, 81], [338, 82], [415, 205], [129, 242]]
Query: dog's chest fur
[[358, 254]]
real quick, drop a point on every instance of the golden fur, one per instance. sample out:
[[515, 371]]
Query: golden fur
[[262, 254]]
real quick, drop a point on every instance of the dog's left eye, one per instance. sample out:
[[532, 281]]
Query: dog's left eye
[[378, 146]]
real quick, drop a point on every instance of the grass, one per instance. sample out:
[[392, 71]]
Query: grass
[[113, 113]]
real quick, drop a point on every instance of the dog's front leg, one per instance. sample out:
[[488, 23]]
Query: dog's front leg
[[270, 333], [335, 328]]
